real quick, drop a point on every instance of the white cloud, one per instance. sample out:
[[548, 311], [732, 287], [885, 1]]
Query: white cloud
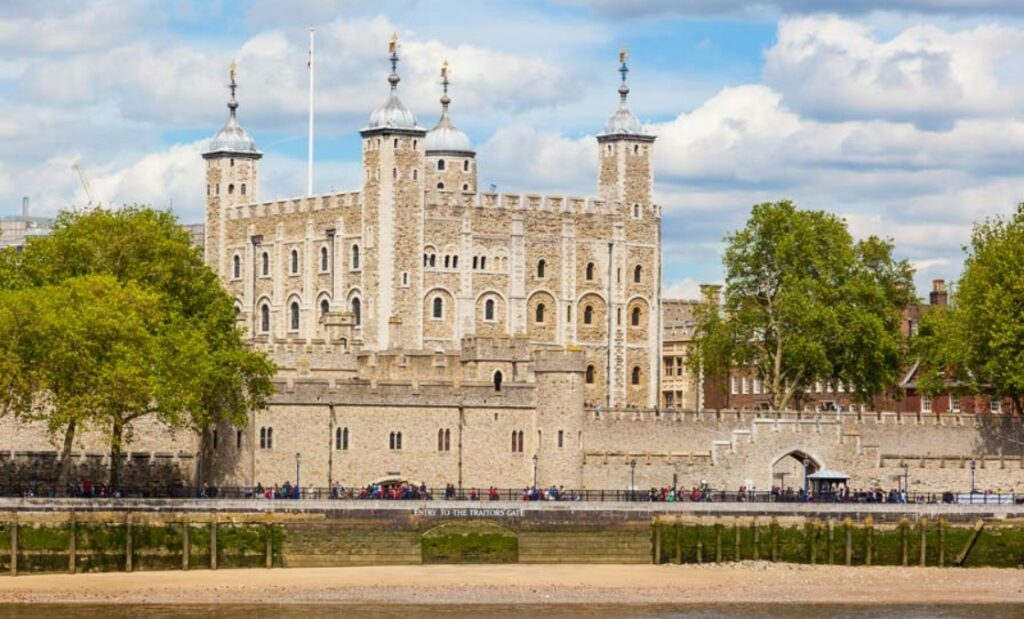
[[71, 27], [631, 8], [523, 158], [685, 288]]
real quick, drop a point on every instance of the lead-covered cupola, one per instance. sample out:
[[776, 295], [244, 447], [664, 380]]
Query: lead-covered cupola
[[451, 160], [393, 114]]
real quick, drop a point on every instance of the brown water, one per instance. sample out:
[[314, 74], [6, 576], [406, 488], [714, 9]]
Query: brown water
[[688, 611]]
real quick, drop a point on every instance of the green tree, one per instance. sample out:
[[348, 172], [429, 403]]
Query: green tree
[[978, 342], [191, 370], [805, 303]]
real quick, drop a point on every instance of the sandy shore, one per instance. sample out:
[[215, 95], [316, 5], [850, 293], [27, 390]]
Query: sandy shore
[[513, 584]]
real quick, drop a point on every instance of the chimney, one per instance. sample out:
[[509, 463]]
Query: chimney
[[939, 295], [24, 207], [711, 293]]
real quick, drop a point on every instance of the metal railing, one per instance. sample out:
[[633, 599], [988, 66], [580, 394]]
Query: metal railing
[[412, 493]]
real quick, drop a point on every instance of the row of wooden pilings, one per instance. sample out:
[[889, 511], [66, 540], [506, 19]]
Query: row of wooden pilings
[[817, 554], [128, 548]]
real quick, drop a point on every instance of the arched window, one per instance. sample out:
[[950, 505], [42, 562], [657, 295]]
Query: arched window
[[440, 440], [440, 186], [636, 149], [476, 261], [636, 375], [447, 262], [265, 259], [231, 188], [295, 262], [440, 166], [391, 441], [294, 316], [344, 439], [520, 435], [324, 258], [266, 438], [590, 375], [515, 443], [394, 172], [355, 256], [447, 440], [263, 438], [637, 272], [541, 264], [483, 263], [415, 175], [433, 260], [243, 189], [590, 271], [357, 311], [438, 307], [540, 313], [636, 211], [465, 186], [325, 306], [588, 315], [398, 440], [489, 309], [341, 438], [635, 318], [465, 165], [236, 267], [265, 318], [497, 380], [455, 262], [568, 313]]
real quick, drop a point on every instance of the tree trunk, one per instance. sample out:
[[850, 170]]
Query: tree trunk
[[115, 455], [64, 466]]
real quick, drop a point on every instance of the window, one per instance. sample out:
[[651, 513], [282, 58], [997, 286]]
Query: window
[[266, 438], [590, 271], [517, 441], [433, 260], [635, 318], [215, 437], [341, 439], [637, 273], [440, 166], [561, 438], [465, 186], [954, 402], [636, 375], [455, 262], [757, 386], [265, 259], [325, 306], [265, 318], [243, 189], [588, 315], [231, 189], [483, 263], [568, 313], [497, 380], [444, 440], [294, 316], [744, 385], [489, 309], [324, 259], [636, 211], [394, 172], [540, 313], [995, 405], [295, 262], [395, 441], [355, 257], [357, 311], [236, 267], [238, 439], [926, 404], [415, 175], [590, 375], [618, 316], [447, 262], [465, 166], [438, 307], [440, 186], [541, 264], [734, 387]]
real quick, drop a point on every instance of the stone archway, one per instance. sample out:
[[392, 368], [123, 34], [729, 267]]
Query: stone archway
[[470, 542], [788, 469]]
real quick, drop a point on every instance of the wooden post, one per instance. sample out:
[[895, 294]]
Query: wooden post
[[962, 557], [73, 544], [736, 540], [676, 531], [718, 542], [904, 542], [213, 542], [869, 538], [924, 542], [757, 540], [128, 543], [270, 546], [942, 542], [700, 551], [849, 541], [775, 539], [812, 528], [657, 544], [831, 541], [185, 546], [14, 544]]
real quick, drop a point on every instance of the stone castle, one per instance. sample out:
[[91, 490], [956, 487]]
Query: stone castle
[[430, 332]]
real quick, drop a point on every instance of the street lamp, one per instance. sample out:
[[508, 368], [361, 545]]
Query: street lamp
[[906, 481], [807, 463], [535, 459], [298, 464], [974, 465], [632, 478]]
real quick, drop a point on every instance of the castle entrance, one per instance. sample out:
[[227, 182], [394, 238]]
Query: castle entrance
[[470, 542], [788, 470]]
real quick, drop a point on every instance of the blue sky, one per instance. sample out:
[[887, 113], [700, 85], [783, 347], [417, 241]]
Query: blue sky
[[901, 116]]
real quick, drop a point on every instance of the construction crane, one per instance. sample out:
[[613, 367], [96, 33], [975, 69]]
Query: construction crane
[[85, 184]]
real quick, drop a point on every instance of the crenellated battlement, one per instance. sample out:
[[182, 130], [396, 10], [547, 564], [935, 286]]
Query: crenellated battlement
[[495, 349], [525, 202], [304, 204]]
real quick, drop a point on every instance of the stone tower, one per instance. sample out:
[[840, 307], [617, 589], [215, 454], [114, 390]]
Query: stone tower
[[392, 229], [232, 178], [451, 160]]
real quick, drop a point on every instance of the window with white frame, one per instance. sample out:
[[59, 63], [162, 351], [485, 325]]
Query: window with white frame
[[926, 404], [954, 402]]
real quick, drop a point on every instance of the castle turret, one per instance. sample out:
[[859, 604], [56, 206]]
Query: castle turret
[[625, 155], [232, 178], [451, 160], [392, 226]]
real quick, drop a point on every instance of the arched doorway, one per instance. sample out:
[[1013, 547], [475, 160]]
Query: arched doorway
[[788, 469], [473, 541]]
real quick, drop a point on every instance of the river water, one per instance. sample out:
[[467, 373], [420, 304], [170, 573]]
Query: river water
[[689, 611]]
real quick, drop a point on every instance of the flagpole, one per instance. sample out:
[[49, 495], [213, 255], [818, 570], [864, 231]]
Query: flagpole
[[309, 170]]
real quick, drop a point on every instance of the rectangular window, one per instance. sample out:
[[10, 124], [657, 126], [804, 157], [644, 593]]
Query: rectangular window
[[995, 405], [954, 402], [560, 438], [735, 385], [744, 385], [926, 404], [757, 386]]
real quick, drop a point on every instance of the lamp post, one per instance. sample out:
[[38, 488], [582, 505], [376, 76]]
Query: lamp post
[[974, 465], [906, 481], [535, 459], [632, 478], [298, 464], [807, 463]]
